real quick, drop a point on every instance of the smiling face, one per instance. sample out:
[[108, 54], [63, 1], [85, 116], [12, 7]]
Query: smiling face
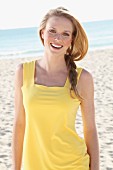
[[57, 35]]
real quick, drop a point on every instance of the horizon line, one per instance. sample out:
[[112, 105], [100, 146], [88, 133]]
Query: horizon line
[[24, 27]]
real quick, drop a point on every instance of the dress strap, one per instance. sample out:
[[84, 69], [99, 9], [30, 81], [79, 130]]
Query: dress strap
[[28, 73], [79, 70]]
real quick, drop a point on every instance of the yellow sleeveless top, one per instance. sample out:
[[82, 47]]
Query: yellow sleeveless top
[[51, 141]]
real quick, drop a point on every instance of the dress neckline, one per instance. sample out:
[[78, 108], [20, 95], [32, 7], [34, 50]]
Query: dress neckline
[[44, 86]]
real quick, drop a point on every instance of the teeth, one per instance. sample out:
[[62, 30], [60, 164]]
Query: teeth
[[56, 46]]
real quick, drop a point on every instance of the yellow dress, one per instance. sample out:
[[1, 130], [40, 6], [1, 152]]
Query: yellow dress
[[51, 141]]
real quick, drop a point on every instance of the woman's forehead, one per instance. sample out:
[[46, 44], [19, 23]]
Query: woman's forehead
[[59, 21]]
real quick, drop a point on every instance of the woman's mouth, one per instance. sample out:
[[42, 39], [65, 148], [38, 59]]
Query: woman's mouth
[[56, 46]]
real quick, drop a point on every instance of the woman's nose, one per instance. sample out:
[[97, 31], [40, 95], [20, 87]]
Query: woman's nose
[[58, 36]]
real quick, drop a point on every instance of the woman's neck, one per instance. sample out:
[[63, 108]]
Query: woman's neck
[[53, 64]]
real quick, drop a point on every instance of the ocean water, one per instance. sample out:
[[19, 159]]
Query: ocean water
[[25, 42]]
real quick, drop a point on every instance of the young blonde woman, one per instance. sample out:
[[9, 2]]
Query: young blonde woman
[[48, 93]]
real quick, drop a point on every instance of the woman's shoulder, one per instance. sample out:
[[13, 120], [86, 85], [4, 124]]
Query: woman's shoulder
[[85, 74], [20, 66], [85, 82], [19, 75], [19, 72]]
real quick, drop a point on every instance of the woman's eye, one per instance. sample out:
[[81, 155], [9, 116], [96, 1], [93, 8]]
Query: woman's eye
[[66, 34], [52, 31]]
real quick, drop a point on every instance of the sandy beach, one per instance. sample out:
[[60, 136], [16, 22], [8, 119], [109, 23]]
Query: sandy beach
[[100, 64]]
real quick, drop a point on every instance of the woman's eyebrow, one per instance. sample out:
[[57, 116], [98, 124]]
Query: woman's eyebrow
[[52, 27], [67, 31], [63, 31]]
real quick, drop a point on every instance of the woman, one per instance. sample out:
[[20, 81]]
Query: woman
[[48, 92]]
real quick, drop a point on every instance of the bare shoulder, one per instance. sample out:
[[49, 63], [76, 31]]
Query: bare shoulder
[[86, 84], [19, 74], [19, 67], [86, 76]]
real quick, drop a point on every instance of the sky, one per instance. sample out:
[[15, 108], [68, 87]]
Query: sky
[[28, 13]]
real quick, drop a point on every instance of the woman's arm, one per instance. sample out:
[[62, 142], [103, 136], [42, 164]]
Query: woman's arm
[[19, 121], [86, 87]]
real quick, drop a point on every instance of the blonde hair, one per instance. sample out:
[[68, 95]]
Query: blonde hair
[[79, 45]]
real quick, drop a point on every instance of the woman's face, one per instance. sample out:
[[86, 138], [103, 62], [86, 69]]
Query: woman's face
[[57, 35]]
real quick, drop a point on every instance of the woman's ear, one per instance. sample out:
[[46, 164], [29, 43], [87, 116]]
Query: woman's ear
[[42, 34]]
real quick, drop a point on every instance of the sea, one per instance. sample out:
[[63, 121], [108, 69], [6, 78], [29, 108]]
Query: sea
[[25, 42]]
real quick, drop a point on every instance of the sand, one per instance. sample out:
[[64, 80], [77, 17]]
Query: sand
[[100, 64]]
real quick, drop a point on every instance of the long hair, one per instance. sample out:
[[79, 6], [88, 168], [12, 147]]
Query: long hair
[[78, 48]]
